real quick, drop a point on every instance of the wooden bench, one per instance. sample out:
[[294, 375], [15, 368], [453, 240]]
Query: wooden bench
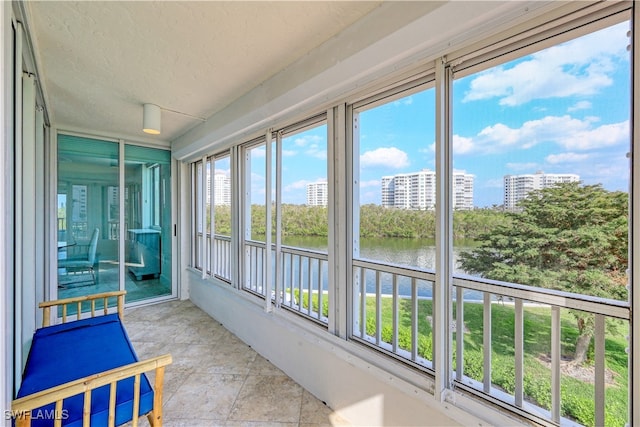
[[85, 372]]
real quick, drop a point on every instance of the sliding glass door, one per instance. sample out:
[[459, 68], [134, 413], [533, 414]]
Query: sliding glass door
[[147, 204], [87, 216], [90, 258]]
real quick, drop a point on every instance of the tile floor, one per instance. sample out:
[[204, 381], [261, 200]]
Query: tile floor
[[216, 379]]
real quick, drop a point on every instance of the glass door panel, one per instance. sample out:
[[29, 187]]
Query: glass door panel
[[87, 249], [147, 204]]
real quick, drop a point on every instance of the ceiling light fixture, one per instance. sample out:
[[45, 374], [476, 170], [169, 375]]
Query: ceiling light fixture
[[151, 119]]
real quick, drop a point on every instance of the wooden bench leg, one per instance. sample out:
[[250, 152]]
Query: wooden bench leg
[[155, 417]]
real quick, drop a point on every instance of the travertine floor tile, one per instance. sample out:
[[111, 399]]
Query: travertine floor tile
[[268, 398], [315, 413], [215, 378], [209, 397]]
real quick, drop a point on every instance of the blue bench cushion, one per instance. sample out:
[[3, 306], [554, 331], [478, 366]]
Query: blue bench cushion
[[73, 350]]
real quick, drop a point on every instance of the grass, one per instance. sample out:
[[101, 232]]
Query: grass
[[577, 391]]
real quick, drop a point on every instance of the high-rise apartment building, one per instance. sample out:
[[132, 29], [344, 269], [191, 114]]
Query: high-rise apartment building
[[516, 187], [417, 190], [221, 188], [317, 194]]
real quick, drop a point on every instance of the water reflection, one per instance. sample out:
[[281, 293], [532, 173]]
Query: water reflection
[[418, 253]]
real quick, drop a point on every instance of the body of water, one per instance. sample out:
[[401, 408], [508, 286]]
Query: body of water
[[409, 252]]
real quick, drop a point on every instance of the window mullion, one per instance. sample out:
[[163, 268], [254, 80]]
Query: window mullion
[[279, 272], [266, 262], [203, 216], [444, 232], [212, 243], [634, 220], [337, 203]]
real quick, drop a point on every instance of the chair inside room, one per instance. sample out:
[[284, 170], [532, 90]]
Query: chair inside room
[[79, 264]]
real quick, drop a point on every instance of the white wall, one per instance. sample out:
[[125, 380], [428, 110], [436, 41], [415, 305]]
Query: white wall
[[22, 183], [6, 144]]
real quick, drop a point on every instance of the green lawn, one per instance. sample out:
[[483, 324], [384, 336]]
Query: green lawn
[[577, 394]]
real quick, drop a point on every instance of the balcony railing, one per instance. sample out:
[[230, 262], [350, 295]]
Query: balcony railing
[[221, 256], [304, 283], [382, 294], [392, 313], [524, 304], [304, 273]]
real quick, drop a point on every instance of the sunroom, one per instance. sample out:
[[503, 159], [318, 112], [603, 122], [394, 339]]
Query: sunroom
[[421, 212]]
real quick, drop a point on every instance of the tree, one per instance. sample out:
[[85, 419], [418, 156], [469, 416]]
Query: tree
[[568, 237]]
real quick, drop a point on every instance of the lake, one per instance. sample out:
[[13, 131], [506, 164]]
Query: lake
[[411, 252]]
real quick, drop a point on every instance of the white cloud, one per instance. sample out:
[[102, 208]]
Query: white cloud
[[289, 153], [603, 136], [565, 131], [306, 140], [317, 152], [579, 67], [461, 144], [563, 158], [580, 105], [301, 184], [297, 185], [389, 157]]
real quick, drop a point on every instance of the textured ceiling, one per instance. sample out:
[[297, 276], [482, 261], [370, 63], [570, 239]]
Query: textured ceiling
[[100, 61]]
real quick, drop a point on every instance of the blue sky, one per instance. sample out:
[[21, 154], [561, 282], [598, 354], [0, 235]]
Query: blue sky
[[564, 109]]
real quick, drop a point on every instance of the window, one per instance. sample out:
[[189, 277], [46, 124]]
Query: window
[[546, 137], [395, 133], [220, 194], [304, 222], [515, 273], [255, 219]]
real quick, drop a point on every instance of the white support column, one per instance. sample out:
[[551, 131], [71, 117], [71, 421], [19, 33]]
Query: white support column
[[26, 190], [41, 260], [266, 280], [337, 202], [6, 216], [279, 272], [212, 216], [444, 244], [203, 215], [352, 180], [237, 196], [17, 200], [244, 211]]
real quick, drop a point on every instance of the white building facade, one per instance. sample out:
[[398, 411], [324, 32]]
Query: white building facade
[[516, 187], [317, 194], [417, 190], [221, 189]]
